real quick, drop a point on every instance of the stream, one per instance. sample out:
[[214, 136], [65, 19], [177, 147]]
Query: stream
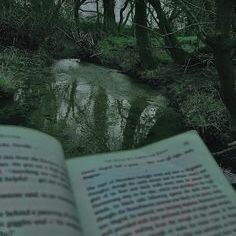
[[91, 109]]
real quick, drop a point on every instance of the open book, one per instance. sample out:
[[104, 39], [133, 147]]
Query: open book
[[173, 187]]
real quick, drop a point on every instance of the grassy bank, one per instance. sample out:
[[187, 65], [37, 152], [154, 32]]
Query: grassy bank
[[19, 69], [7, 83], [17, 65]]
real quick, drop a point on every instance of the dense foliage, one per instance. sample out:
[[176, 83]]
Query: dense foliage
[[184, 47]]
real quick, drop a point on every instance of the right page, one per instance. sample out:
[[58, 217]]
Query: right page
[[173, 187]]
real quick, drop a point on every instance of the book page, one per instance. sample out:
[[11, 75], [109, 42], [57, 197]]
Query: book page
[[173, 187], [35, 194]]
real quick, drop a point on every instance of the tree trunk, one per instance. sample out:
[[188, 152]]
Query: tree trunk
[[98, 12], [126, 4], [227, 76], [133, 119], [142, 36], [223, 44], [76, 11], [234, 18], [109, 15], [176, 52]]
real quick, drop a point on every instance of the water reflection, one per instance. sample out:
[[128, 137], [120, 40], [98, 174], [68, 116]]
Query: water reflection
[[92, 109]]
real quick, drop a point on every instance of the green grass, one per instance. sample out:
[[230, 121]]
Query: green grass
[[203, 112], [118, 52], [121, 51], [17, 66], [195, 95], [9, 61]]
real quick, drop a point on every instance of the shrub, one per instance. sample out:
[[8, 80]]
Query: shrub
[[17, 66], [7, 88], [119, 52], [203, 112]]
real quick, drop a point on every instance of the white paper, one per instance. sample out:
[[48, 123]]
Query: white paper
[[173, 187], [35, 194]]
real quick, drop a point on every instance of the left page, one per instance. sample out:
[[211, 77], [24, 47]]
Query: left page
[[35, 194]]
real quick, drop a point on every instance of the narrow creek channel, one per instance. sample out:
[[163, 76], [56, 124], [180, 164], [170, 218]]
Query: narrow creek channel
[[92, 109]]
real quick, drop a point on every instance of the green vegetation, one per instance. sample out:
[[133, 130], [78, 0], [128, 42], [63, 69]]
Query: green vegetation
[[189, 58], [195, 95], [204, 113], [118, 52], [23, 71], [18, 66]]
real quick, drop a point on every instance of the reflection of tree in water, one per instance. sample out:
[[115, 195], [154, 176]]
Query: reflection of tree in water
[[149, 120], [132, 120], [100, 120], [122, 107], [72, 97], [146, 122], [83, 112], [114, 123]]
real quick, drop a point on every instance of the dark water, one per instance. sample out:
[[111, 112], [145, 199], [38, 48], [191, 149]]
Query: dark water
[[91, 109]]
